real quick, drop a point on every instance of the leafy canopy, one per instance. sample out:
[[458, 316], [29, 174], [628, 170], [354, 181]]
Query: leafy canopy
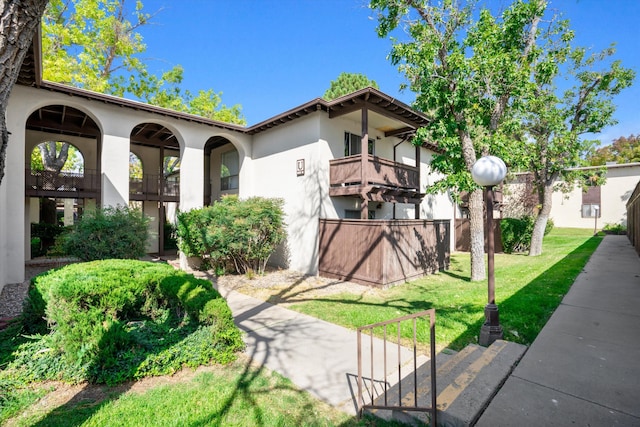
[[469, 70], [96, 45], [622, 150], [347, 83]]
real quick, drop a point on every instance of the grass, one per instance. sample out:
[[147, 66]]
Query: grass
[[238, 394], [528, 290]]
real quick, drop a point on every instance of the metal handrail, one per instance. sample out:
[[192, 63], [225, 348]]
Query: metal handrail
[[361, 405]]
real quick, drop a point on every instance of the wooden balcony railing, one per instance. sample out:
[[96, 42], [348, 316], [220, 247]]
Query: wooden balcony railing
[[40, 183], [379, 171], [86, 184], [150, 187]]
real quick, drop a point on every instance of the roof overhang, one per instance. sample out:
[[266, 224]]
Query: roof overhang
[[30, 73], [406, 119]]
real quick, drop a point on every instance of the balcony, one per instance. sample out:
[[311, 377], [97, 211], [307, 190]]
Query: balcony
[[152, 187], [40, 183], [381, 180], [79, 185]]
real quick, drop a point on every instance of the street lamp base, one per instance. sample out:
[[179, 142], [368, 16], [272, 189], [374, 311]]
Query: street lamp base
[[491, 330]]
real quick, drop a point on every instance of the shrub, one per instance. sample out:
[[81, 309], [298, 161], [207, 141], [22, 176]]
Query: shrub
[[241, 233], [46, 234], [116, 320], [614, 229], [517, 233], [106, 233]]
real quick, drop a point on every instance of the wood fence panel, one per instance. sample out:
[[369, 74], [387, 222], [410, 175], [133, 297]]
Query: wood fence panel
[[633, 218], [382, 253], [463, 236]]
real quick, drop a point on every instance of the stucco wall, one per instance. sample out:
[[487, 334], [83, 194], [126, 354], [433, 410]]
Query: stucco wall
[[275, 155], [268, 168], [115, 124], [621, 180]]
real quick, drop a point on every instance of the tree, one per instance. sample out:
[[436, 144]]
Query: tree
[[347, 83], [622, 150], [554, 125], [469, 71], [19, 21], [93, 45], [56, 156]]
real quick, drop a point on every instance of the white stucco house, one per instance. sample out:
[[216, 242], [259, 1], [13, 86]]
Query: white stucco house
[[310, 156], [596, 207]]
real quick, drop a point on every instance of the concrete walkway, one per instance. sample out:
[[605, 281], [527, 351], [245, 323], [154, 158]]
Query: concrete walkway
[[317, 356], [583, 369]]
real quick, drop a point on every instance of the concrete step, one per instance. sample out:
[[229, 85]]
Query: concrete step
[[465, 382]]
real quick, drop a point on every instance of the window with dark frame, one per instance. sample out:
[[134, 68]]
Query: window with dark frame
[[353, 145], [591, 207], [229, 170], [355, 214]]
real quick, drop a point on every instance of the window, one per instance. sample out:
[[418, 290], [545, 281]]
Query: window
[[591, 203], [355, 214], [591, 211], [353, 143], [229, 171]]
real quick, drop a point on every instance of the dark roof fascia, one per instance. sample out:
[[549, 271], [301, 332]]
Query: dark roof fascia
[[136, 105], [317, 104], [362, 95]]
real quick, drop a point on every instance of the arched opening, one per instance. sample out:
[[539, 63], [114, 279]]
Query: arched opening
[[135, 168], [154, 182], [62, 177], [221, 169]]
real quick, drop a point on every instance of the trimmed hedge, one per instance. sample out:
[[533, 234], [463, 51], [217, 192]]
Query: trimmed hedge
[[116, 320]]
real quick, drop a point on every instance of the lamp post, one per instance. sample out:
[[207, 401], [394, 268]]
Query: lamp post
[[487, 172], [595, 226]]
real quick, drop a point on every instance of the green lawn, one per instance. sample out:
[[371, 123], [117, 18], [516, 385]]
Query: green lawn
[[238, 394], [528, 290]]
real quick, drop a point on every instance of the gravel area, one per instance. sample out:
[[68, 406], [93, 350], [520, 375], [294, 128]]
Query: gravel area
[[285, 287], [13, 294]]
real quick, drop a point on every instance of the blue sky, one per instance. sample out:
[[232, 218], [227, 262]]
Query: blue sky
[[273, 55]]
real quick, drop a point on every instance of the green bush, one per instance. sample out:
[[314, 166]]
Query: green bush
[[43, 237], [614, 229], [240, 233], [116, 320], [517, 232], [107, 233]]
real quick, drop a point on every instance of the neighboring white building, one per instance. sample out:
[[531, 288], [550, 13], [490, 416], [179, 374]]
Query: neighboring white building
[[294, 156], [579, 209], [605, 204]]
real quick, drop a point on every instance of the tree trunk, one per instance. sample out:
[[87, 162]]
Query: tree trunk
[[52, 160], [476, 229], [19, 21], [476, 211], [541, 221]]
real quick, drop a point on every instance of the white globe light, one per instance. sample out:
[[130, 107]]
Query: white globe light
[[488, 171]]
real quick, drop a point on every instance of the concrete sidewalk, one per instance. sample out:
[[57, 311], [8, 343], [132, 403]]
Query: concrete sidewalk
[[317, 356], [584, 366]]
